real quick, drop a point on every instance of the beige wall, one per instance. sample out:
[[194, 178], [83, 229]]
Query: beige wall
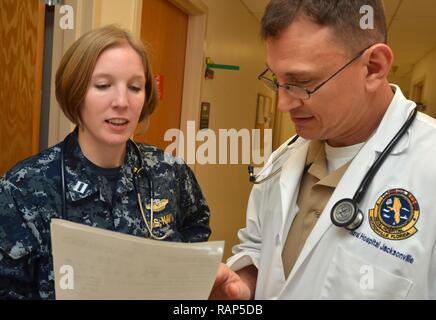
[[403, 83], [232, 38], [284, 128], [426, 69], [126, 13]]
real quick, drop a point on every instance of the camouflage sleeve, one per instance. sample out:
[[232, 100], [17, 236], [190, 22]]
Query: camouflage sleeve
[[17, 245], [195, 226]]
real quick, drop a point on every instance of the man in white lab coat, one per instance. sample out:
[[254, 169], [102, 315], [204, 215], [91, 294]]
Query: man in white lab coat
[[329, 62]]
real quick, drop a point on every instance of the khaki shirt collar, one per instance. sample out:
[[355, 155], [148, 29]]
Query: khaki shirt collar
[[316, 163]]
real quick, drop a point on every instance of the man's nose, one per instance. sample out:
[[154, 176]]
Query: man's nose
[[286, 102]]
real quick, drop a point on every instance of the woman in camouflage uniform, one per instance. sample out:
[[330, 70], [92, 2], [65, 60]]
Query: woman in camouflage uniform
[[105, 86]]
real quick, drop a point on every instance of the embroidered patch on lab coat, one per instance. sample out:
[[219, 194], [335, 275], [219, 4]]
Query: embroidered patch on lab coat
[[395, 214]]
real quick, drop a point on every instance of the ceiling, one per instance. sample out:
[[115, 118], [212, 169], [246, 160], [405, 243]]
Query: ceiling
[[411, 29]]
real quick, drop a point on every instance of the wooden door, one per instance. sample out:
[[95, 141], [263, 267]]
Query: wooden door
[[164, 30], [21, 55]]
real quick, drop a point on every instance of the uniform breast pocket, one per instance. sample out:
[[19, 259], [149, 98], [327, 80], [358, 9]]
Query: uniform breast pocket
[[350, 277]]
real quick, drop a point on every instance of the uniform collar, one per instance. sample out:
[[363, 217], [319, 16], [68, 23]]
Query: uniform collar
[[81, 183], [316, 162]]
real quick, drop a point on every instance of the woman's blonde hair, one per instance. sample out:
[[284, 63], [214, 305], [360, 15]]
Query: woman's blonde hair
[[77, 65]]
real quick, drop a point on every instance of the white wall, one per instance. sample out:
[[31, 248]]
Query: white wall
[[426, 69], [232, 38]]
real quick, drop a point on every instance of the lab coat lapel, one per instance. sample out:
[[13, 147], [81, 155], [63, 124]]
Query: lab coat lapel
[[394, 118]]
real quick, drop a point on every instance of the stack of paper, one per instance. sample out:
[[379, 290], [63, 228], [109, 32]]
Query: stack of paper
[[92, 263]]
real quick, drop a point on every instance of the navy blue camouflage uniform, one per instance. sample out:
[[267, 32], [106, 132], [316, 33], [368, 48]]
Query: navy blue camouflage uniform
[[30, 196]]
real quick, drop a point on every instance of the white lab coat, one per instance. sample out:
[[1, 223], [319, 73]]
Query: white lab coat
[[335, 264]]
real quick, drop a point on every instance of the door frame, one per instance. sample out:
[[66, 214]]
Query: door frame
[[36, 121], [59, 125], [194, 65]]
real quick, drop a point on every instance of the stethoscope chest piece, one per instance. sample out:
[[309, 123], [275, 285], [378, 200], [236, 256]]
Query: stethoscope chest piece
[[346, 214]]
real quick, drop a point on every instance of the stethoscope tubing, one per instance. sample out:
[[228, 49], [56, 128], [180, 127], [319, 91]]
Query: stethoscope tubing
[[360, 192], [254, 178]]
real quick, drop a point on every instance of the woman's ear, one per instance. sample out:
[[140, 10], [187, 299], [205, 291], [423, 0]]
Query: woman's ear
[[379, 59]]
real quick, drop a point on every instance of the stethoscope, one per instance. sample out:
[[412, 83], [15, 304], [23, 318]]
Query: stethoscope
[[136, 174], [345, 213]]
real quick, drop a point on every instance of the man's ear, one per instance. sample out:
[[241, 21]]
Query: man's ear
[[379, 59]]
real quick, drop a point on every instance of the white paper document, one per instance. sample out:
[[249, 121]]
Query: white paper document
[[93, 263]]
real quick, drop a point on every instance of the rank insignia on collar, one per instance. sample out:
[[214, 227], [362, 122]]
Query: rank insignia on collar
[[80, 187], [395, 214]]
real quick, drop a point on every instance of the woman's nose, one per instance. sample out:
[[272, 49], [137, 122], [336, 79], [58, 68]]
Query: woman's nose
[[121, 100]]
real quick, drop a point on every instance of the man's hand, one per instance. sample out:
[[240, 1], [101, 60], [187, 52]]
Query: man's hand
[[230, 285]]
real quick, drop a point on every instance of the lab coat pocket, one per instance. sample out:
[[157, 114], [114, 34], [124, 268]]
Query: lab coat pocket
[[351, 277]]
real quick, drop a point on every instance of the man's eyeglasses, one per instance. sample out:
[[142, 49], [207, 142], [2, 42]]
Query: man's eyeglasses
[[298, 92]]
